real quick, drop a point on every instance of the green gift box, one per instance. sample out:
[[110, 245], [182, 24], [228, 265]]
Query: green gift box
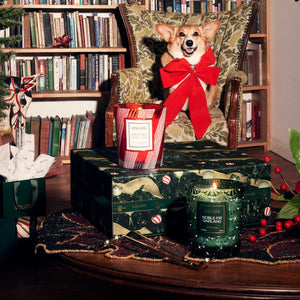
[[22, 198], [154, 201]]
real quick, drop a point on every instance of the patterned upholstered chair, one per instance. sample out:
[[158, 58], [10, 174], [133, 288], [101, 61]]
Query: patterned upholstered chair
[[141, 82]]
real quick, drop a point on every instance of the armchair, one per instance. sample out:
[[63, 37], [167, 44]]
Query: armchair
[[141, 82]]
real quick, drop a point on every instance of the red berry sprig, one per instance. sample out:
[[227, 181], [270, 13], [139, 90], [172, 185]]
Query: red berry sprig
[[288, 224], [283, 186], [278, 226], [262, 231]]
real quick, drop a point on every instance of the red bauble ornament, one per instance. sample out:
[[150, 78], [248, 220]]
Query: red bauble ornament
[[297, 219], [267, 158]]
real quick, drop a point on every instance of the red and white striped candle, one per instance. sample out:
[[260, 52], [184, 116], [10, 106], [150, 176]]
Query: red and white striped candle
[[140, 134]]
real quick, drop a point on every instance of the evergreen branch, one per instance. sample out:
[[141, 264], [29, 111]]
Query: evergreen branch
[[10, 17], [5, 56], [10, 41]]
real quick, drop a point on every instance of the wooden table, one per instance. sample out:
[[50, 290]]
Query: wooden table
[[234, 280], [221, 280]]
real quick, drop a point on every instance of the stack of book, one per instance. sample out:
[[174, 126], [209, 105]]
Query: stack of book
[[57, 136]]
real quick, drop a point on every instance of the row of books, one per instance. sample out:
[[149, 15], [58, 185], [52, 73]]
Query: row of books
[[58, 136], [193, 6], [250, 121], [68, 2], [67, 72], [85, 29]]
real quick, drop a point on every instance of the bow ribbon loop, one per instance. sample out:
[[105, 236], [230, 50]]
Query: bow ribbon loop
[[179, 71]]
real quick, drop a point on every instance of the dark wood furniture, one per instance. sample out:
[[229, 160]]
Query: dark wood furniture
[[83, 276], [234, 280]]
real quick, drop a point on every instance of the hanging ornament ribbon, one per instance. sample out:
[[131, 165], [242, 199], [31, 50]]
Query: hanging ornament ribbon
[[16, 89], [180, 71]]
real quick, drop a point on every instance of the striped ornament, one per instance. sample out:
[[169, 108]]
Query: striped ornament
[[157, 219], [166, 179], [267, 211]]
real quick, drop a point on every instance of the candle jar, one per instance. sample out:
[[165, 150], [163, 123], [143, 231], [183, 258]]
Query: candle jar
[[214, 214], [140, 132]]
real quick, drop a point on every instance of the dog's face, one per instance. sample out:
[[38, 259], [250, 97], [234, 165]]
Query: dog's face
[[188, 41]]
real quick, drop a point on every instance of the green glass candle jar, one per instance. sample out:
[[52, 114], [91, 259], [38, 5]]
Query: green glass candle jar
[[214, 214]]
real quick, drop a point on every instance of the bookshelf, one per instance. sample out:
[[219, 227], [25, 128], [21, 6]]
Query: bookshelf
[[260, 90], [29, 52], [41, 52]]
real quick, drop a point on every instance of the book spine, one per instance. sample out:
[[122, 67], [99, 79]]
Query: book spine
[[82, 71], [55, 137], [50, 74], [32, 30], [42, 74], [63, 137], [44, 135], [248, 121]]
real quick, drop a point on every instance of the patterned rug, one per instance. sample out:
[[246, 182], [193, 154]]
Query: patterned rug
[[69, 231]]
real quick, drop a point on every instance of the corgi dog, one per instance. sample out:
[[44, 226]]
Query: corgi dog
[[189, 42]]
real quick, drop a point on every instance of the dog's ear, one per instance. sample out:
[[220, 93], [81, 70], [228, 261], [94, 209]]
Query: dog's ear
[[210, 29], [166, 31]]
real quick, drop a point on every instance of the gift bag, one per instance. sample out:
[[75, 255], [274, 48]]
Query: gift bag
[[22, 198]]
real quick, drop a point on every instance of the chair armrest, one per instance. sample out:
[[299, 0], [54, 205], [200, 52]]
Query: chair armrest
[[233, 106], [126, 86]]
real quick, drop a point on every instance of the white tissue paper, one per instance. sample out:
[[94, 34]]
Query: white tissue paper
[[19, 164]]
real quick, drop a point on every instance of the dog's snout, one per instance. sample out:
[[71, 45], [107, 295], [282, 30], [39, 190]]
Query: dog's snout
[[189, 43]]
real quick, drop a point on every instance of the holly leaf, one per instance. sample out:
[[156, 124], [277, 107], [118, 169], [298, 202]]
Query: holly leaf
[[296, 201], [288, 211], [295, 146], [281, 198]]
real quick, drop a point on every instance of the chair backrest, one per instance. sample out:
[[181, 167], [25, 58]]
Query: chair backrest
[[146, 46]]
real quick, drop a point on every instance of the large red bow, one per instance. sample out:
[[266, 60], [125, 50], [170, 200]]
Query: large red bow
[[174, 73]]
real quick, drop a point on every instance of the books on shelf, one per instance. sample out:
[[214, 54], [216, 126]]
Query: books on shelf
[[68, 72], [193, 6], [85, 29], [253, 64], [68, 2], [39, 29], [57, 136], [250, 121]]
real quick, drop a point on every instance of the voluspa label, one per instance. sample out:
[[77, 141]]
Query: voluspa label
[[212, 218], [139, 135]]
